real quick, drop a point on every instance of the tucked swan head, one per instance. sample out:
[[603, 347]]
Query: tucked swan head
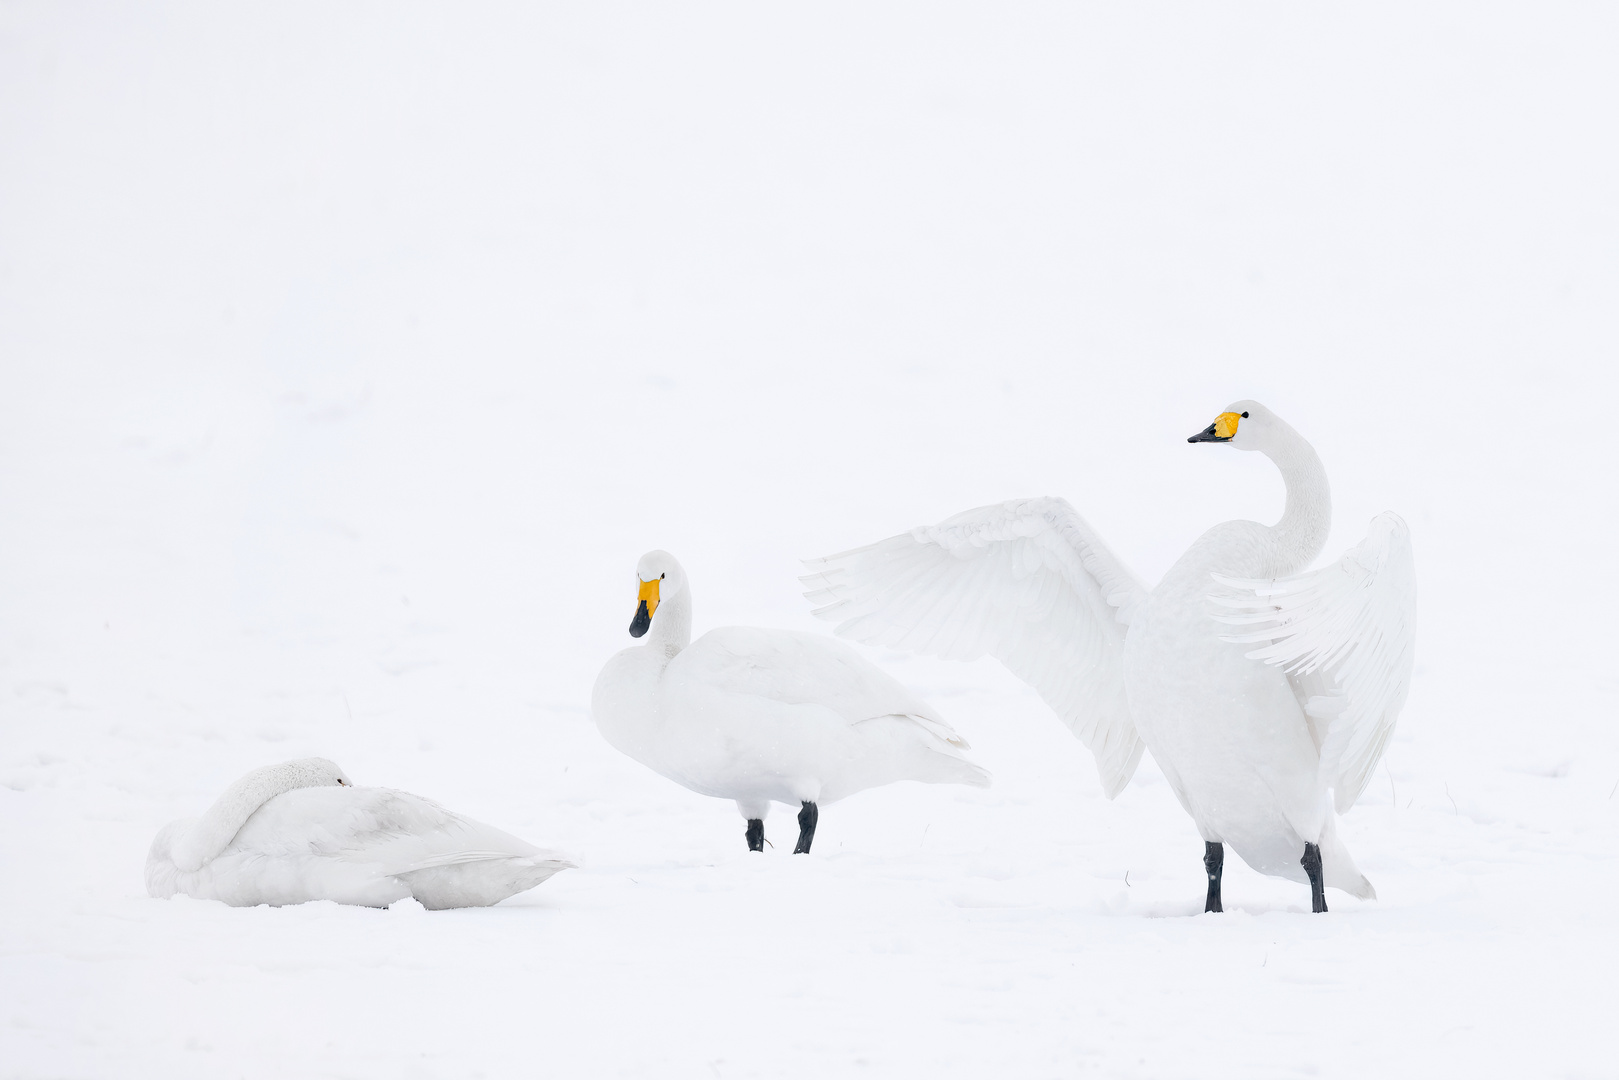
[[214, 831], [310, 772], [661, 577], [1247, 425]]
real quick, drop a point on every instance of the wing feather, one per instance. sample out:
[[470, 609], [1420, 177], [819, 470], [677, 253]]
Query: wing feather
[[1027, 582], [797, 668], [1346, 636]]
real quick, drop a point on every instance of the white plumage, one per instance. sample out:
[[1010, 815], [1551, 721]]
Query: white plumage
[[298, 831], [1026, 582], [1345, 636], [1251, 739], [761, 716]]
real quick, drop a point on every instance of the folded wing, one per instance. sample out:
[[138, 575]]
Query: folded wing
[[367, 846], [798, 668], [1346, 636], [1026, 582]]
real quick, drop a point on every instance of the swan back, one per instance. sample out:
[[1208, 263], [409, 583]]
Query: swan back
[[212, 833], [366, 846], [324, 842], [747, 712], [796, 668]]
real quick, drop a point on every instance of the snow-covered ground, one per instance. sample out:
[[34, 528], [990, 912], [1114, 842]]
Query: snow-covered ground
[[350, 357]]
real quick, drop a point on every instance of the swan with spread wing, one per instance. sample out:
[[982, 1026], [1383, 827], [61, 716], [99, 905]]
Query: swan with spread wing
[[1266, 692]]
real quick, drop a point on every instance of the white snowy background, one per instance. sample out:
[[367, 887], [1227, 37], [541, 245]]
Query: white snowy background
[[351, 355]]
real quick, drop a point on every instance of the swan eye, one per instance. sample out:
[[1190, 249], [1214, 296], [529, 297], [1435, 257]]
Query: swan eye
[[662, 576], [1245, 416]]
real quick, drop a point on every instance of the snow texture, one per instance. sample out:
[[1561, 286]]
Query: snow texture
[[350, 356]]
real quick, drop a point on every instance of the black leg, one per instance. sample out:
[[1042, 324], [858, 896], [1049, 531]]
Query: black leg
[[1213, 864], [806, 828], [756, 834], [1312, 866]]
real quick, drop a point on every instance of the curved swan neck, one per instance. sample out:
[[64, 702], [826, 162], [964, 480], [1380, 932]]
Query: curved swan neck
[[214, 831], [671, 627], [1307, 519]]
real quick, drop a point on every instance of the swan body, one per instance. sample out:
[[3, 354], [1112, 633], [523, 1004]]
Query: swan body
[[299, 831], [760, 716], [1260, 745]]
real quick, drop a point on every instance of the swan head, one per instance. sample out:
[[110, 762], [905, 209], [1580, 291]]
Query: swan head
[[201, 841], [661, 576], [315, 772], [1247, 425]]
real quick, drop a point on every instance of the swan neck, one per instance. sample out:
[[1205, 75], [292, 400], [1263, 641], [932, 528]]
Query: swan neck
[[214, 831], [1301, 534], [671, 627]]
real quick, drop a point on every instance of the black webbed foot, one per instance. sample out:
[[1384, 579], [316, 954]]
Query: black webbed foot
[[1312, 867], [807, 817], [1213, 865]]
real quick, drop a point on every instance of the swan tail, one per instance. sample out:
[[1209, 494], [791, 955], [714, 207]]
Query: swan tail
[[972, 775], [479, 878], [939, 729], [1338, 866], [897, 746], [946, 764]]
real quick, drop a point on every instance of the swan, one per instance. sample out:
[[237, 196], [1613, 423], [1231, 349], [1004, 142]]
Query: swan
[[1259, 686], [300, 831], [758, 715]]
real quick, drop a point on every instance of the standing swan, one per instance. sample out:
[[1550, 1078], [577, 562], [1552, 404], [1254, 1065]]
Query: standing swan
[[764, 715], [299, 831], [1251, 739]]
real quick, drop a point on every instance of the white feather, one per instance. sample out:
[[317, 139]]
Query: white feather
[[1026, 582], [1352, 626], [1250, 741], [301, 839], [759, 716]]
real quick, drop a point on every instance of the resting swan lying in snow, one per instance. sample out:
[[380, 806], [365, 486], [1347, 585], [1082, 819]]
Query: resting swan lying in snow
[[299, 831], [764, 715], [1257, 686]]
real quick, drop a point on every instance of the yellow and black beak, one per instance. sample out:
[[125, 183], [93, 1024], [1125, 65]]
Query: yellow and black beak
[[1224, 426], [646, 609]]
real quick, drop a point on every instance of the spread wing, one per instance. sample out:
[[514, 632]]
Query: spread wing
[[1026, 582], [1346, 636]]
